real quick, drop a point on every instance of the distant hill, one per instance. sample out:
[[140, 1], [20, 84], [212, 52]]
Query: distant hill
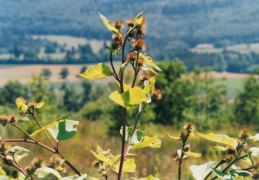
[[185, 22]]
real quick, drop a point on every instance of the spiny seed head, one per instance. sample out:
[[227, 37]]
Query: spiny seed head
[[131, 57], [244, 134], [144, 76], [189, 127], [13, 119], [140, 61], [139, 45], [32, 104], [157, 94], [141, 29], [4, 119], [187, 148], [38, 162], [118, 24], [130, 22]]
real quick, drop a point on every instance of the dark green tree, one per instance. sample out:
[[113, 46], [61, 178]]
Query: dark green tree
[[71, 99], [46, 73], [246, 108], [64, 73]]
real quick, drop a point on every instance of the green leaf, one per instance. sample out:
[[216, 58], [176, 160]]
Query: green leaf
[[76, 177], [201, 171], [139, 18], [63, 117], [128, 166], [35, 133], [148, 178], [129, 99], [109, 48], [249, 156], [137, 137], [99, 71], [23, 119], [218, 173], [123, 66], [45, 171], [109, 26], [64, 130], [148, 142], [16, 149]]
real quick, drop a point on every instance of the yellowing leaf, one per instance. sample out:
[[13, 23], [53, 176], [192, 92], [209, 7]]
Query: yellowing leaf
[[192, 154], [102, 157], [126, 87], [98, 71], [129, 99], [148, 60], [20, 103], [147, 142], [139, 18], [35, 133], [174, 137], [128, 166], [220, 148], [150, 87], [108, 25], [39, 105], [220, 139]]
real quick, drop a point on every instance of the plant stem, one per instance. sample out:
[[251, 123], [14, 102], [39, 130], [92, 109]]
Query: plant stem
[[134, 129], [230, 164], [123, 143], [113, 69], [181, 158], [35, 118], [220, 163], [18, 127]]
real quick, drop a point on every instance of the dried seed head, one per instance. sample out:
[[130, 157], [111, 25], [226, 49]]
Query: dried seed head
[[13, 119], [189, 127], [118, 24], [140, 61], [141, 29], [244, 134], [4, 119], [32, 104], [38, 162], [130, 22], [144, 76], [131, 57], [157, 94], [139, 45]]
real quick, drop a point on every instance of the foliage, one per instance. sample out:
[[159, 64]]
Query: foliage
[[64, 73]]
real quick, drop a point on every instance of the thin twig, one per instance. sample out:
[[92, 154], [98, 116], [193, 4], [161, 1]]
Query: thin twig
[[220, 163], [230, 164], [134, 129], [18, 127], [113, 69], [181, 158], [35, 118]]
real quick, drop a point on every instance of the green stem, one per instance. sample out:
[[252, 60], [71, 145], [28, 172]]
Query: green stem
[[230, 164], [181, 158]]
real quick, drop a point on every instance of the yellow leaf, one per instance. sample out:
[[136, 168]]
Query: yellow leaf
[[129, 99], [220, 148], [220, 139], [125, 86], [128, 166], [39, 105], [109, 26], [35, 133], [148, 60], [150, 87], [139, 18], [20, 103], [192, 154], [102, 157], [98, 71], [147, 142], [174, 137]]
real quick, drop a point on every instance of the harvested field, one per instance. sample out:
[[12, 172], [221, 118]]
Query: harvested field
[[24, 73]]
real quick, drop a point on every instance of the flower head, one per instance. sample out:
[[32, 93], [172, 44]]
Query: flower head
[[118, 24], [131, 57], [139, 45]]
